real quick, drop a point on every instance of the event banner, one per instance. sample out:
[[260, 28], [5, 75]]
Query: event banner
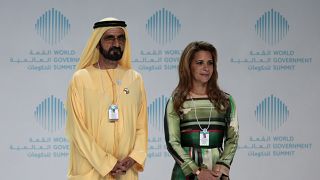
[[268, 60]]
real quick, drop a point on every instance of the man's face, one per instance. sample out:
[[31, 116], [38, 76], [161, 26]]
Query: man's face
[[112, 44]]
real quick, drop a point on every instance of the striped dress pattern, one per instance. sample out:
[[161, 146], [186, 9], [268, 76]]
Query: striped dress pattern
[[182, 135]]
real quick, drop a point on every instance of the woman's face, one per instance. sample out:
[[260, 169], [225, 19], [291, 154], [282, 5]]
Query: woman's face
[[201, 68]]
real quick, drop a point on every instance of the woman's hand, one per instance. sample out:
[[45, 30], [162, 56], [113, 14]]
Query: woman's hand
[[206, 174]]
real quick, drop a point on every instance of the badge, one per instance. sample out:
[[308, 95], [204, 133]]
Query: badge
[[113, 113], [126, 90], [204, 138]]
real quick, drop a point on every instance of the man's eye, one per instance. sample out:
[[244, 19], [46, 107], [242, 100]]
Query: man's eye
[[121, 38], [109, 38]]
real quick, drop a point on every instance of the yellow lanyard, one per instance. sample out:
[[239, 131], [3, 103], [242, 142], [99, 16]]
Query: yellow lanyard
[[114, 91]]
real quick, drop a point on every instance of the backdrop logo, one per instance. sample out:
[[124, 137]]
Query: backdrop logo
[[271, 113], [52, 26], [50, 114], [156, 112], [163, 26], [272, 27]]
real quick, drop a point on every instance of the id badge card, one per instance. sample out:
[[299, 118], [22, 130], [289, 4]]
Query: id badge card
[[204, 138], [113, 113]]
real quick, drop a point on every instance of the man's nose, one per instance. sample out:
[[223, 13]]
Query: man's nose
[[116, 42]]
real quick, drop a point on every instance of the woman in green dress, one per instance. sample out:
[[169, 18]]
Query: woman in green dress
[[201, 126]]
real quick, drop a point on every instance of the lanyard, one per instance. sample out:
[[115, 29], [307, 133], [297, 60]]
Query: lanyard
[[195, 114], [114, 91]]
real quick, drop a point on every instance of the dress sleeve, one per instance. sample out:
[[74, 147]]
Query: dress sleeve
[[231, 139], [173, 140], [79, 136], [139, 152]]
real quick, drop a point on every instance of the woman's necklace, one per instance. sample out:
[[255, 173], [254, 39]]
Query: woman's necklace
[[198, 95], [204, 134]]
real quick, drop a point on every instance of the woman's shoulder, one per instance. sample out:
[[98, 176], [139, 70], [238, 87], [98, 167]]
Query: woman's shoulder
[[228, 96]]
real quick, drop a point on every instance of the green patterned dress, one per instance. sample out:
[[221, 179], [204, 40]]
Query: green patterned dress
[[183, 141]]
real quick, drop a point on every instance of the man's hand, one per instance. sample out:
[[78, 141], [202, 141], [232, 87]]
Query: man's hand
[[127, 163], [122, 166], [118, 169]]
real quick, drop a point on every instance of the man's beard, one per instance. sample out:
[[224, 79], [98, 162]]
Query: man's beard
[[113, 54]]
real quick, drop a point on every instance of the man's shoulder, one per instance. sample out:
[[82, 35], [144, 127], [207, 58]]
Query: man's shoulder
[[82, 75], [132, 73], [82, 72]]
